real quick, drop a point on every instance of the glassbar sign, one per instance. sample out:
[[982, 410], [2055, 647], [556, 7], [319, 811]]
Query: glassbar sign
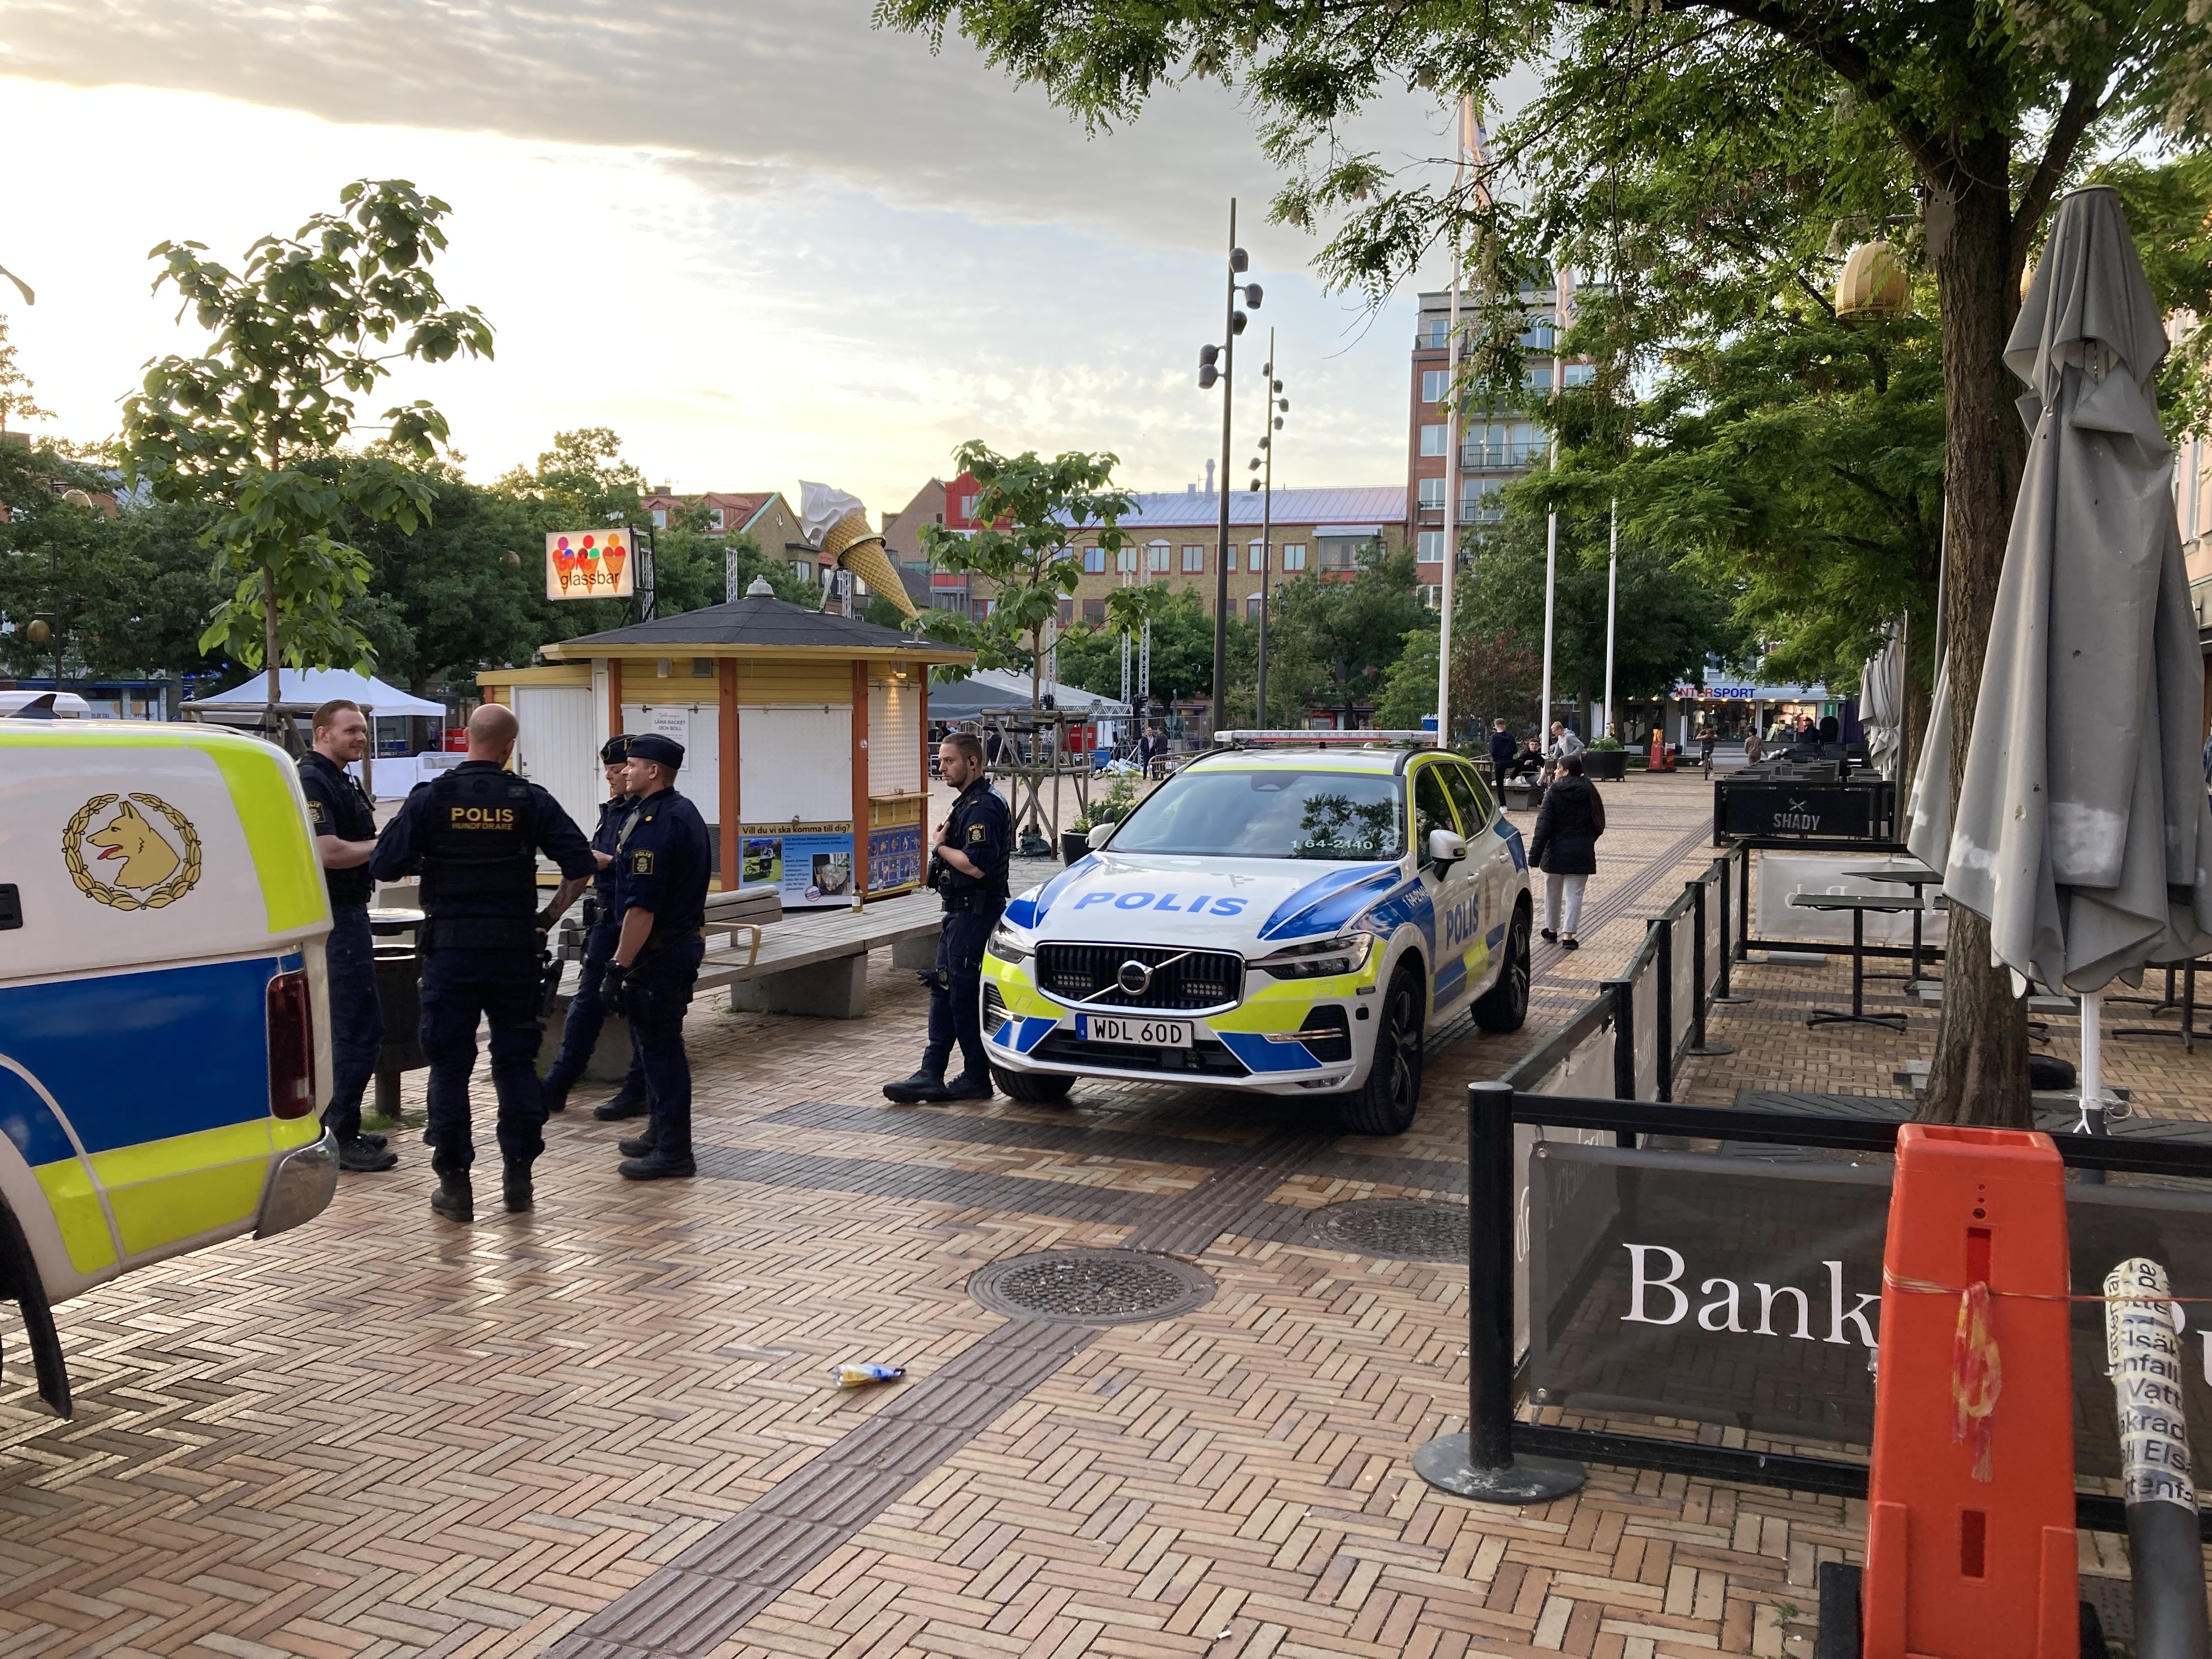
[[1747, 1291], [1798, 809]]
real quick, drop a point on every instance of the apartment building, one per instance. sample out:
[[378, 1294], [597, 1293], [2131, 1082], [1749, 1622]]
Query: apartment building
[[1497, 445]]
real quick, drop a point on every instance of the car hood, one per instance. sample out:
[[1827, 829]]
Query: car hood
[[1137, 898]]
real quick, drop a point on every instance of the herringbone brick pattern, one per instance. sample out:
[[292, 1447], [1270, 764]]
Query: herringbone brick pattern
[[384, 1435]]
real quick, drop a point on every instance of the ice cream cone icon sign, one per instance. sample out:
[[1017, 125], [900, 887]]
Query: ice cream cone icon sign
[[591, 562], [615, 554], [564, 561]]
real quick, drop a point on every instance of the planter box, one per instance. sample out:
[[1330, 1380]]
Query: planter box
[[1073, 844], [1608, 764]]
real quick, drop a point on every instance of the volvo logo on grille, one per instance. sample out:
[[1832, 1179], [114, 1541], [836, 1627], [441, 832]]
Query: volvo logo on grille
[[1134, 977]]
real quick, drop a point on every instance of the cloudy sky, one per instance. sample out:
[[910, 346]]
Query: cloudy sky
[[761, 240]]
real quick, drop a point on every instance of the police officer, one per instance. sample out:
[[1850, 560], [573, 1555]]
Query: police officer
[[967, 867], [346, 836], [588, 1013], [662, 864], [474, 834]]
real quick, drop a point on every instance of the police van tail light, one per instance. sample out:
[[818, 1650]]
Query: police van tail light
[[291, 1045]]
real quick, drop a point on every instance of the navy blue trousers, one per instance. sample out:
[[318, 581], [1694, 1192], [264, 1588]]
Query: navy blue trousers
[[459, 989], [956, 1001], [664, 979], [587, 1014], [357, 1016]]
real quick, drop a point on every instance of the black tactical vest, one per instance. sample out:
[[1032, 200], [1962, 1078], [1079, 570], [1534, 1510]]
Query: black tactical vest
[[480, 859]]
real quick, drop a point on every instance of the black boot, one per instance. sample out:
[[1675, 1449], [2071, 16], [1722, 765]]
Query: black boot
[[656, 1165], [630, 1102], [515, 1185], [638, 1145], [454, 1200], [967, 1087], [358, 1157], [555, 1094], [925, 1084]]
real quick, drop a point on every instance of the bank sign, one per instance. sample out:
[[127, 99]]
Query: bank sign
[[1746, 1290]]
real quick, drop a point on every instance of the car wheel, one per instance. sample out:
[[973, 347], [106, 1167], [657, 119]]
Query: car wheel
[[1385, 1103], [1504, 1006], [1038, 1088]]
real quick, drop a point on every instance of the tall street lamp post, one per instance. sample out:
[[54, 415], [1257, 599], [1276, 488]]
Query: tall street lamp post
[[1277, 406], [1219, 363]]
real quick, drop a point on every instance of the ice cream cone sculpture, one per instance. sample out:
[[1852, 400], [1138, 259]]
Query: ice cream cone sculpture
[[838, 524]]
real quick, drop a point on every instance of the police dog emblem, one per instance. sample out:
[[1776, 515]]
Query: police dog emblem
[[140, 866]]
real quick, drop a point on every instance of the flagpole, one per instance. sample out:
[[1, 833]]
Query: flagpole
[[1451, 445], [1552, 520], [1612, 610]]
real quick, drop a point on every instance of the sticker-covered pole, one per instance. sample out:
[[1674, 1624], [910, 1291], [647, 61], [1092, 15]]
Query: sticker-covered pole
[[2165, 1557]]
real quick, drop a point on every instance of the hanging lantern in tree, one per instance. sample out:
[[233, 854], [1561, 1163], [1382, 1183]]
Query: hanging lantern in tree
[[1873, 283]]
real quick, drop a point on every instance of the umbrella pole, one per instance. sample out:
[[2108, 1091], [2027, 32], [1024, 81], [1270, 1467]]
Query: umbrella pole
[[2092, 1074]]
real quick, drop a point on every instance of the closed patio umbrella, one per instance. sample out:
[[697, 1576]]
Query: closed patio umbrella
[[1881, 703], [2082, 831]]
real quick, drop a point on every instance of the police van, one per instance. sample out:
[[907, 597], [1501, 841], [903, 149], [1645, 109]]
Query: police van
[[164, 1018], [1291, 913]]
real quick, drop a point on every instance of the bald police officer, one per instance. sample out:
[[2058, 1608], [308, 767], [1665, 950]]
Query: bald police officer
[[662, 864], [474, 834], [588, 1013], [967, 867]]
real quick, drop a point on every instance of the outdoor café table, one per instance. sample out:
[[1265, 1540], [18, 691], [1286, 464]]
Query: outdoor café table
[[1916, 880], [1858, 904]]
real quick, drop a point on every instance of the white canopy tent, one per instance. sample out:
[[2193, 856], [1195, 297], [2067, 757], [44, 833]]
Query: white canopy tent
[[302, 690]]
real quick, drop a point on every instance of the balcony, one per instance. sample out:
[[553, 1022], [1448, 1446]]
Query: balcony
[[1501, 457]]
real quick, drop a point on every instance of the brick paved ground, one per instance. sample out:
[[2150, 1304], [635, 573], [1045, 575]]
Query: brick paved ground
[[386, 1434]]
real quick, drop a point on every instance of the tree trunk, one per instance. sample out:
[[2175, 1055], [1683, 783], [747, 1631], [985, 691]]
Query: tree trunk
[[1979, 1074]]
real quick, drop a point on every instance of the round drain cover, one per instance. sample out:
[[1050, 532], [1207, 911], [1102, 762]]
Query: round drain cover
[[1091, 1287], [1401, 1228]]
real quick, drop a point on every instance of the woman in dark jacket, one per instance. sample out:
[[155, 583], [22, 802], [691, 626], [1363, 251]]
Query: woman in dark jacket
[[1565, 847]]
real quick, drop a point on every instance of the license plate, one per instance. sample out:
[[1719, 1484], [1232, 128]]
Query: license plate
[[1146, 1033]]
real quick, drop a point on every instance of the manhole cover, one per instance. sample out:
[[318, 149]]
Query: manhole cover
[[1401, 1228], [1091, 1287]]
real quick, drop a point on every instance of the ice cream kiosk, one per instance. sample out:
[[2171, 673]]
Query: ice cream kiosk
[[805, 733]]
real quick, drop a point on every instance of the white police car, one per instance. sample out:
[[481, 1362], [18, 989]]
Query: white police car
[[1287, 914]]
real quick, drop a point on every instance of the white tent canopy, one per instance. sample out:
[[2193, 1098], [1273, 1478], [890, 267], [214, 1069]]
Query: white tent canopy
[[308, 689], [1068, 699]]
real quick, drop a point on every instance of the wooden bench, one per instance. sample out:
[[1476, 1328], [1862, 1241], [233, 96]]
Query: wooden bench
[[817, 964]]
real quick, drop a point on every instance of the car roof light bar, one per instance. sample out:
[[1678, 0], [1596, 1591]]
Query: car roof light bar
[[1298, 739]]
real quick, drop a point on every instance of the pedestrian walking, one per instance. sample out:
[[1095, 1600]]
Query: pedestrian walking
[[1754, 747], [345, 836], [663, 862], [1501, 751], [587, 1011], [967, 867], [1564, 743], [1565, 847], [473, 835]]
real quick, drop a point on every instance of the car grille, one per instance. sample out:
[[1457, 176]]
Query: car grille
[[1204, 1058], [1185, 980]]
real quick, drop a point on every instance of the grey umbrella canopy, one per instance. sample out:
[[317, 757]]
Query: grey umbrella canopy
[[2082, 831]]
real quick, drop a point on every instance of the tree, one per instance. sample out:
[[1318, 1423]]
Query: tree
[[256, 427], [1329, 639], [1033, 509], [1988, 111], [1182, 644], [1492, 674], [16, 403]]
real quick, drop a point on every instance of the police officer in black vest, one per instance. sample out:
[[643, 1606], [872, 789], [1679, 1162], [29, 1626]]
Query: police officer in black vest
[[662, 864], [967, 867], [474, 834], [346, 836], [588, 1013]]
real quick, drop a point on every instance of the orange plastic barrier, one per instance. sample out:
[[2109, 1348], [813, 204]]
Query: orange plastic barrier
[[1970, 1505]]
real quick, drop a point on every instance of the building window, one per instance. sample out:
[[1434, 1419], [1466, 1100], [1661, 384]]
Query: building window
[[1094, 561], [1431, 336], [1434, 440], [1433, 383], [1231, 557], [1094, 610], [660, 517], [1257, 558], [702, 668], [1157, 564], [1252, 606], [1067, 612], [1537, 337], [1581, 374], [1194, 561], [714, 518], [1125, 561], [1481, 505], [1537, 382], [1432, 492], [1430, 547], [803, 568], [1294, 555]]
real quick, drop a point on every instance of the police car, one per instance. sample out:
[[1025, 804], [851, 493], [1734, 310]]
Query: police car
[[1289, 914]]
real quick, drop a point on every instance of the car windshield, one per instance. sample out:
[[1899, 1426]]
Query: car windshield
[[1217, 813]]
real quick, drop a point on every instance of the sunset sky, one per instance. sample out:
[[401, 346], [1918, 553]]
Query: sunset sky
[[760, 242]]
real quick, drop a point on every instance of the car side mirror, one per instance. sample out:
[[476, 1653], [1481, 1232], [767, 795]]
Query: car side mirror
[[1446, 845], [1097, 836]]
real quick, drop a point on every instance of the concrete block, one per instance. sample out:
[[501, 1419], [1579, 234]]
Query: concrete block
[[836, 989], [914, 953]]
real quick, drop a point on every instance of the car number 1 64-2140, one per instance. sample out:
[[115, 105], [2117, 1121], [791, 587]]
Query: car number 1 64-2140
[[1151, 1033]]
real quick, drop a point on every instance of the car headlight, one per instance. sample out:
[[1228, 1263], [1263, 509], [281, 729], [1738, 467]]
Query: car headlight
[[1345, 954], [1009, 946]]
